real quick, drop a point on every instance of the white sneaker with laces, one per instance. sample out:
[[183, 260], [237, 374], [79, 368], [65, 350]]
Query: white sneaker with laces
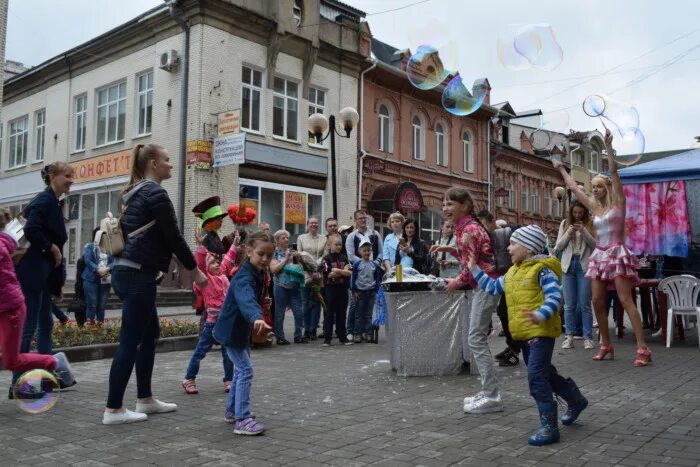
[[578, 338], [155, 407], [485, 404], [568, 342], [119, 418], [350, 337], [470, 399], [588, 344]]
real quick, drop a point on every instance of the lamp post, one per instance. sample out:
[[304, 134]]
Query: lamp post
[[318, 124], [559, 193]]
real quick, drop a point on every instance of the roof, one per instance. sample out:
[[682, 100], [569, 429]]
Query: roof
[[383, 51], [653, 156], [682, 166], [344, 6]]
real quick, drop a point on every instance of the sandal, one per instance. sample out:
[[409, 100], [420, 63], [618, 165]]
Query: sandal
[[190, 387], [605, 349], [643, 357]]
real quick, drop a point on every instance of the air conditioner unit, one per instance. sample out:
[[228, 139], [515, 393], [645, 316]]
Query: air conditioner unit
[[169, 60]]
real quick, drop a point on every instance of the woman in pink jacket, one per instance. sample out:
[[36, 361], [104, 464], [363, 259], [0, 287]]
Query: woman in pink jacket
[[12, 313]]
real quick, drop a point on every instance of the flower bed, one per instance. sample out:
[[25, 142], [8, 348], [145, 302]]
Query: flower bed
[[70, 335]]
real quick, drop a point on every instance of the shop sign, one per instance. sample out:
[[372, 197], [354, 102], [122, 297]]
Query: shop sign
[[107, 166], [198, 152], [229, 149], [294, 207], [408, 198], [501, 193], [374, 165], [229, 122]]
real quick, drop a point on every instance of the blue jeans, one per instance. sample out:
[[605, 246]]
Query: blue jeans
[[137, 339], [351, 315], [288, 298], [577, 300], [206, 342], [363, 313], [238, 401], [95, 299], [542, 376], [312, 309]]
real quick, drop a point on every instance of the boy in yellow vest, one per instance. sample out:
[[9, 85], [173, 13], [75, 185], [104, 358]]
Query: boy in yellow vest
[[531, 288]]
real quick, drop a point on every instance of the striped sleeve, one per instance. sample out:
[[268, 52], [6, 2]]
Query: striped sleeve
[[552, 295], [486, 283]]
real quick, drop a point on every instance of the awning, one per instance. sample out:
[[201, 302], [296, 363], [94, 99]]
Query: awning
[[390, 197]]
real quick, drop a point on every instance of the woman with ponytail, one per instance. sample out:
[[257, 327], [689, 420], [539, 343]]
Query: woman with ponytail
[[151, 238]]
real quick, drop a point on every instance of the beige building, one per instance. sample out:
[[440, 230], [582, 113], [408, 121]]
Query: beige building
[[271, 63]]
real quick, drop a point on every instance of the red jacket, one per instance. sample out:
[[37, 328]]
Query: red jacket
[[10, 290]]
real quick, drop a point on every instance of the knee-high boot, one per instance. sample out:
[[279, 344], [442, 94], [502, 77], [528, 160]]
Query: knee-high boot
[[548, 432], [575, 402]]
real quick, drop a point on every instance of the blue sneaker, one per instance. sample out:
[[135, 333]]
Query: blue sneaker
[[229, 417], [63, 371], [248, 427]]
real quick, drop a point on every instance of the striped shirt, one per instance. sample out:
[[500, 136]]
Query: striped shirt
[[548, 282]]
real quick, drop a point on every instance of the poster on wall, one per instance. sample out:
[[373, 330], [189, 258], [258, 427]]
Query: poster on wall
[[229, 149], [248, 197], [294, 207]]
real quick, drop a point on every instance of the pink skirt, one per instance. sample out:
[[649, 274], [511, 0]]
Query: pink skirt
[[615, 260]]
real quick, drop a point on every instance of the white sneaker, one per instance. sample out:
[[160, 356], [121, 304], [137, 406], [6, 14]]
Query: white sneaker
[[119, 418], [485, 405], [578, 338], [469, 400], [155, 407], [588, 344], [568, 342], [351, 337]]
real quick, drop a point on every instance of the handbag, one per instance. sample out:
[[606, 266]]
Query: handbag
[[16, 229]]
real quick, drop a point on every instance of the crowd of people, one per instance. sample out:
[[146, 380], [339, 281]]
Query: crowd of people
[[246, 281]]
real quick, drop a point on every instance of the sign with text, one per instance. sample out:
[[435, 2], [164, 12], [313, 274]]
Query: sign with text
[[198, 151], [229, 150], [229, 122], [97, 168], [294, 207]]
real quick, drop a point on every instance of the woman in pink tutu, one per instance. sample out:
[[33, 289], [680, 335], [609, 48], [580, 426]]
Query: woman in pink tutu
[[611, 261]]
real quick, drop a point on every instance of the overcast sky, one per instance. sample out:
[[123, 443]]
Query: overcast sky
[[649, 42]]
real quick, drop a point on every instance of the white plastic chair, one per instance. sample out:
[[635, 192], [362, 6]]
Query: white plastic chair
[[682, 292]]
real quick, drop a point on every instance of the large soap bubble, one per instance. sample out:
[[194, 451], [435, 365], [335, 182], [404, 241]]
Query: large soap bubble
[[553, 127], [457, 99], [628, 145], [435, 56], [522, 47], [35, 391], [425, 69], [620, 114]]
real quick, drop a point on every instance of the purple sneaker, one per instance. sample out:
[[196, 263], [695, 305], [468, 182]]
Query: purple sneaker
[[248, 427], [229, 417]]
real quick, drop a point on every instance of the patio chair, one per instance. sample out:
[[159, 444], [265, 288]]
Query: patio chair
[[682, 292]]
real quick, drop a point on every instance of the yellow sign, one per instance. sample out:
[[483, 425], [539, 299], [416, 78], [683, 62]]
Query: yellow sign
[[294, 207], [199, 145], [229, 122], [97, 168]]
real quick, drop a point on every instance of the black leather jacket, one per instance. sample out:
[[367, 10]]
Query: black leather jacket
[[154, 247]]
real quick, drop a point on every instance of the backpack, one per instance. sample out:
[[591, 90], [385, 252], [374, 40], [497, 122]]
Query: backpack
[[500, 239], [110, 238]]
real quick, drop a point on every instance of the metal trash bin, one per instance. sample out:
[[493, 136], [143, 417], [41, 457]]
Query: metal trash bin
[[426, 332]]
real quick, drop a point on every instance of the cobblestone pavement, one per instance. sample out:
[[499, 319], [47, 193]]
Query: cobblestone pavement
[[344, 406]]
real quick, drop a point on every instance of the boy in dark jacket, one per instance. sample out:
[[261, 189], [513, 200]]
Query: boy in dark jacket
[[336, 277]]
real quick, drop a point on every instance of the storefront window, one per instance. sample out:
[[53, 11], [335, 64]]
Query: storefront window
[[102, 205], [272, 208], [430, 225], [87, 224]]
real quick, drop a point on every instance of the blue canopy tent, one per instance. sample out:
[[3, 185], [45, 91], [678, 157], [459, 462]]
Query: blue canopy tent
[[683, 166]]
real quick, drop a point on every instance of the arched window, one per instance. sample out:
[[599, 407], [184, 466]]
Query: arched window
[[418, 143], [384, 129], [297, 12], [441, 145], [467, 152]]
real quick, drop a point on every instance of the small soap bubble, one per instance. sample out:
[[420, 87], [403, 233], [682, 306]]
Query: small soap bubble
[[522, 47], [628, 144], [36, 391], [620, 114], [594, 105], [553, 128], [457, 100]]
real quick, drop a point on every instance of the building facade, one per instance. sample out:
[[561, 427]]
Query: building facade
[[270, 64]]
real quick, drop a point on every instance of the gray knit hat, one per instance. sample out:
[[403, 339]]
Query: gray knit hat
[[531, 237]]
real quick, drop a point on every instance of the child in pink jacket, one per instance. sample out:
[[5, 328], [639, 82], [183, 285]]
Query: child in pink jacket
[[214, 294], [12, 314]]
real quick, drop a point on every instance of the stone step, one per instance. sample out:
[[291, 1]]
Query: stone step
[[166, 297]]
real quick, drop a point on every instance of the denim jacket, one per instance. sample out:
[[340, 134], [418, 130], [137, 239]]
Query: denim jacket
[[92, 262], [241, 307]]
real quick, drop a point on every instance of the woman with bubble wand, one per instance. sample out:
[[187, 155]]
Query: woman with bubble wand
[[611, 261]]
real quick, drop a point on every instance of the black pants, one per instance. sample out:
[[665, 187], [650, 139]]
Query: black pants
[[502, 312], [336, 298]]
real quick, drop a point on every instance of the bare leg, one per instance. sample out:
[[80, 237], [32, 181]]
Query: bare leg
[[624, 292], [599, 295]]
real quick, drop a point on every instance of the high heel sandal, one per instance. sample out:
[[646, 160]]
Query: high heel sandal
[[604, 350], [643, 357]]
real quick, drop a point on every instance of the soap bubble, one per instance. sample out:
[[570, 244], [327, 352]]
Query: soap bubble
[[594, 105], [35, 391], [620, 114], [540, 139], [628, 144], [553, 128], [457, 99], [522, 47], [425, 69]]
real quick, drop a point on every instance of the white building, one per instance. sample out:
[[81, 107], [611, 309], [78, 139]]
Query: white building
[[273, 61]]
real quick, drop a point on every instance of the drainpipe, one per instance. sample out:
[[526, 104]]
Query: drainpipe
[[178, 16], [488, 156], [363, 153]]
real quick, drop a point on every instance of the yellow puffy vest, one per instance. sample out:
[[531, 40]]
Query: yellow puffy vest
[[523, 292]]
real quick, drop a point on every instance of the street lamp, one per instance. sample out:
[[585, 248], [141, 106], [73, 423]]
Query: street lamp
[[318, 124], [559, 193]]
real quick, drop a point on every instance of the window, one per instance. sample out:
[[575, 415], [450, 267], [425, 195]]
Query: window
[[441, 145], [467, 152], [18, 142], [498, 184], [284, 109], [317, 103], [511, 197], [297, 12], [40, 132], [145, 103], [430, 225], [535, 201], [384, 129], [577, 158], [594, 161], [111, 114], [524, 199], [418, 152], [80, 121], [548, 204], [251, 90]]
